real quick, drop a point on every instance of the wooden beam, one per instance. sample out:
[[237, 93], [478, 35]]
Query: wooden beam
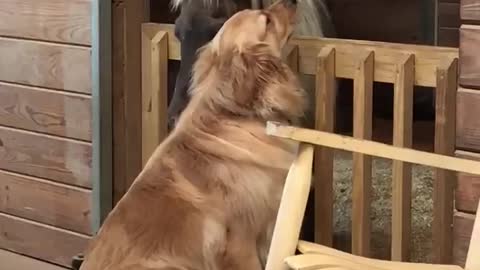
[[292, 209], [473, 260], [402, 172], [362, 165], [443, 190], [154, 89], [128, 15], [323, 164], [427, 58], [320, 257], [371, 148]]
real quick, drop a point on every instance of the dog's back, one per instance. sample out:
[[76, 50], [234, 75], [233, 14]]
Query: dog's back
[[197, 184], [209, 195]]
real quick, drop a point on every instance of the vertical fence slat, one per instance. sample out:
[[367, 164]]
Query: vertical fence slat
[[445, 99], [154, 89], [290, 56], [323, 162], [401, 171], [362, 164]]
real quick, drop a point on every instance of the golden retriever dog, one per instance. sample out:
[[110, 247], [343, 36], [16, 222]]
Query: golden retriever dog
[[209, 195]]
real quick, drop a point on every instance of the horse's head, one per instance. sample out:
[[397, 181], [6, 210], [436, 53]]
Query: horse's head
[[197, 24]]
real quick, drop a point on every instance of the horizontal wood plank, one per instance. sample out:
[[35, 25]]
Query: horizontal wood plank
[[53, 158], [13, 261], [448, 36], [468, 122], [45, 65], [376, 149], [449, 15], [54, 20], [462, 232], [467, 193], [470, 56], [47, 202], [427, 58], [51, 112], [40, 241], [470, 10]]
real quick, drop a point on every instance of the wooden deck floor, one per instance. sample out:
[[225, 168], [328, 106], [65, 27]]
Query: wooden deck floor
[[13, 261]]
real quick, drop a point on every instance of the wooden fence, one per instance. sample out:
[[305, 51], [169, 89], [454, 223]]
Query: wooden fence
[[404, 66]]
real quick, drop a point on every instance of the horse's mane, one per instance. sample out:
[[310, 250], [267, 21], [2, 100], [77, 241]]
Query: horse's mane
[[314, 16]]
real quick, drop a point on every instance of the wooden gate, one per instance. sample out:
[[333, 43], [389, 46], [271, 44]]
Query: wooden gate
[[404, 66]]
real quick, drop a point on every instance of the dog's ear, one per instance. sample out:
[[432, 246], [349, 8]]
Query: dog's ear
[[252, 70], [244, 83]]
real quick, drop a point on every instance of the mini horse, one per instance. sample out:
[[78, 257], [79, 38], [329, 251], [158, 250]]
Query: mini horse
[[199, 21]]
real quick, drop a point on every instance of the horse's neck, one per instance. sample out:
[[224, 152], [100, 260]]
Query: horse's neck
[[256, 4], [314, 18]]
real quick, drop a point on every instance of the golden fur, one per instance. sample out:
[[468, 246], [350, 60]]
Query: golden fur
[[209, 195]]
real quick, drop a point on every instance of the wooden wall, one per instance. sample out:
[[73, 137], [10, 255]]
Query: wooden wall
[[45, 128], [468, 125], [448, 23]]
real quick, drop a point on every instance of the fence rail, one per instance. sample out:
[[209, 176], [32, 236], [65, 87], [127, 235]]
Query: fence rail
[[404, 66]]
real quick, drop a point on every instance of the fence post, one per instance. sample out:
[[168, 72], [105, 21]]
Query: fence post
[[154, 89], [323, 162], [443, 188], [362, 164], [401, 171]]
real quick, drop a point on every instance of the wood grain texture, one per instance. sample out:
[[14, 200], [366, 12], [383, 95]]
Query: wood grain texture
[[119, 69], [401, 171], [467, 192], [65, 21], [127, 17], [468, 122], [473, 260], [45, 65], [427, 58], [470, 10], [325, 93], [362, 165], [449, 15], [372, 148], [470, 58], [154, 89], [53, 158], [443, 186], [13, 261], [292, 208], [51, 112], [40, 241], [462, 233], [319, 257], [47, 202]]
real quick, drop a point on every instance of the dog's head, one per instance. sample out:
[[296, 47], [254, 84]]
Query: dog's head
[[241, 71]]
